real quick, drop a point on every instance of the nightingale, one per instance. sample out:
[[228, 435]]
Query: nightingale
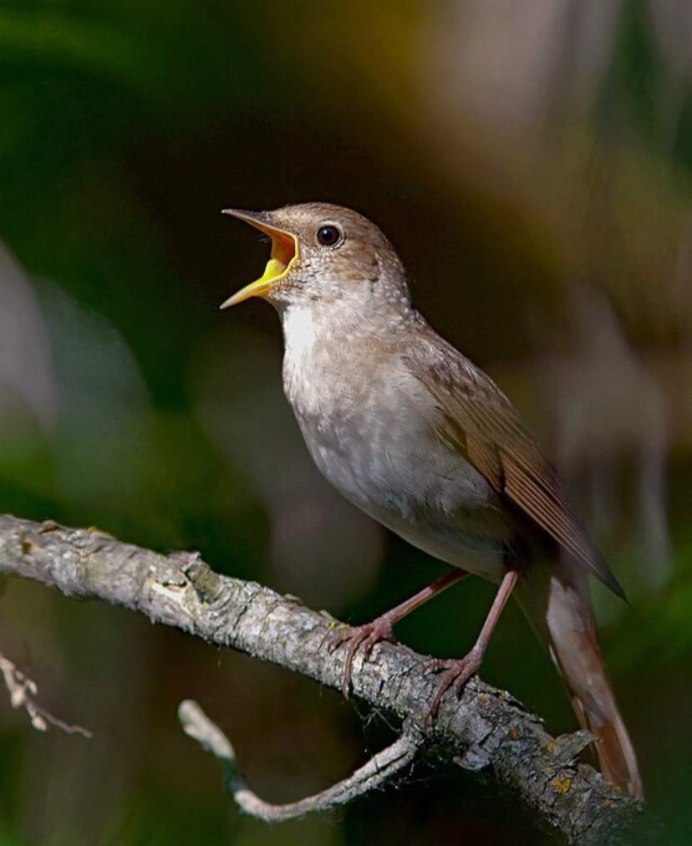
[[413, 433]]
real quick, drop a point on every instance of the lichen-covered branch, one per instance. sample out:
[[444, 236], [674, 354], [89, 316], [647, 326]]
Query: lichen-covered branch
[[485, 729]]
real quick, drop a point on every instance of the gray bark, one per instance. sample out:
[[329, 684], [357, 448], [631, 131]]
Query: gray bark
[[485, 729]]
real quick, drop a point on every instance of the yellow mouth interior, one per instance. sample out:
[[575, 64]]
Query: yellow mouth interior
[[284, 253]]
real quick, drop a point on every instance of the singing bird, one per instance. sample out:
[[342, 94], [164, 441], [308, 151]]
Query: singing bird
[[422, 440]]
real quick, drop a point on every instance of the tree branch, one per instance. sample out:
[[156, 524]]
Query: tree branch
[[485, 729], [380, 769]]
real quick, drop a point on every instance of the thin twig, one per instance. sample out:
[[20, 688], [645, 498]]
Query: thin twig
[[379, 770], [23, 692]]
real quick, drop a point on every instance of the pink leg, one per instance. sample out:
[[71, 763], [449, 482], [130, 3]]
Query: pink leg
[[382, 627], [457, 672]]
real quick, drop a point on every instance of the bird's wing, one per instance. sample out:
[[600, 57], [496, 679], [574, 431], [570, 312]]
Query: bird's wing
[[480, 422]]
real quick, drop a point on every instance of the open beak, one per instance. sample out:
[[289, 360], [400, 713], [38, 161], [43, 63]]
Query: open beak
[[284, 253]]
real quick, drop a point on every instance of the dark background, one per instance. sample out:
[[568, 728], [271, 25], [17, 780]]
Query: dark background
[[531, 163]]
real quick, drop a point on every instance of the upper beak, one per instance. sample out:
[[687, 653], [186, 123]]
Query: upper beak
[[284, 253]]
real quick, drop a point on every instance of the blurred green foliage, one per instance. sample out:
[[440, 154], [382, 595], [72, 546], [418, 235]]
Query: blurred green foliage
[[125, 127]]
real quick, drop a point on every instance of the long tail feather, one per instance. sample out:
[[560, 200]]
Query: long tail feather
[[559, 608]]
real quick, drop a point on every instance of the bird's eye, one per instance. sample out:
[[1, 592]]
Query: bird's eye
[[329, 235]]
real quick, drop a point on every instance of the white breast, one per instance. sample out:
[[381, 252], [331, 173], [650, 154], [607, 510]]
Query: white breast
[[306, 362], [369, 428]]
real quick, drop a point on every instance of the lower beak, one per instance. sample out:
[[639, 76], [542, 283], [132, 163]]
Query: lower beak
[[284, 253]]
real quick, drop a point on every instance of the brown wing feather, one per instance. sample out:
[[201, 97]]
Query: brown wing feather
[[482, 423]]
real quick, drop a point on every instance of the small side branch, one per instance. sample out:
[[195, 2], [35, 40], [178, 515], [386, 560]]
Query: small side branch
[[23, 692], [485, 729], [379, 770]]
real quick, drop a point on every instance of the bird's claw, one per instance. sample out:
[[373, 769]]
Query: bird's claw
[[367, 636], [455, 674]]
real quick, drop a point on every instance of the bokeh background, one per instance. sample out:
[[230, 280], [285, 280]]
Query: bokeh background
[[531, 162]]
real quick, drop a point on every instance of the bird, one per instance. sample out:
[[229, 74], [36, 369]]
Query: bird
[[421, 439]]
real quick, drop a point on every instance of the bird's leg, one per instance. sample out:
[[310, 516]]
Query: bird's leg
[[458, 671], [382, 627]]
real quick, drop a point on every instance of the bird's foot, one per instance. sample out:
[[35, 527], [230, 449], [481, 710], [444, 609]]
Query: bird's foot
[[367, 636], [455, 674]]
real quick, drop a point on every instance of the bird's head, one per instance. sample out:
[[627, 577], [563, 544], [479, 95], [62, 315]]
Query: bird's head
[[323, 253]]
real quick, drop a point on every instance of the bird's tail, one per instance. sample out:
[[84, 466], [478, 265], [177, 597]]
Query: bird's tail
[[559, 607]]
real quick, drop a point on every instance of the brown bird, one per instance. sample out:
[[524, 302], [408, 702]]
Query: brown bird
[[423, 441]]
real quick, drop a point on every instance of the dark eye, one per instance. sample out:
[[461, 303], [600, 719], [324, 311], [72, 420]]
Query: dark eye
[[329, 236]]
